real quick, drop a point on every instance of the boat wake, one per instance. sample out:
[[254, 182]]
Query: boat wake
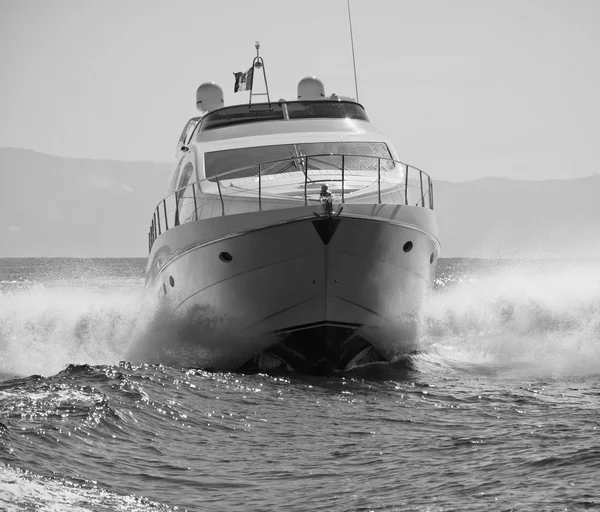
[[543, 317], [45, 328]]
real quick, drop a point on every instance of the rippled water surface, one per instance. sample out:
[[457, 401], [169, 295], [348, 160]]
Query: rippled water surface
[[499, 410]]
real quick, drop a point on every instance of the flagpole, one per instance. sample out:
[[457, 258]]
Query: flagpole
[[259, 63], [353, 58]]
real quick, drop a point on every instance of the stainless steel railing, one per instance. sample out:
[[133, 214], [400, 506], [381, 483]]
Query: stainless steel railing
[[293, 181]]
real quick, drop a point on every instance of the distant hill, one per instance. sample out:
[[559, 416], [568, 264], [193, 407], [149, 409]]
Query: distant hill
[[53, 206]]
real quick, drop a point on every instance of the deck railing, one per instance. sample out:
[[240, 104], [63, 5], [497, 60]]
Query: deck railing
[[294, 181]]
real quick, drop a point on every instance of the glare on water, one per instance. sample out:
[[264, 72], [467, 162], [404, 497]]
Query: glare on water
[[497, 411]]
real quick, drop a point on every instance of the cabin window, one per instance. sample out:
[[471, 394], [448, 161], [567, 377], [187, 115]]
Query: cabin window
[[188, 129], [186, 174], [244, 162], [181, 177], [175, 178]]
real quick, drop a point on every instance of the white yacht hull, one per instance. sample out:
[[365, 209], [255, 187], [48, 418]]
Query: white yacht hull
[[312, 293]]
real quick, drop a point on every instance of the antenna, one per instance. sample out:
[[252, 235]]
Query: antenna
[[353, 58]]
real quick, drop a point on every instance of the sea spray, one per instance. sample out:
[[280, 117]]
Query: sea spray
[[546, 314], [44, 328], [541, 313]]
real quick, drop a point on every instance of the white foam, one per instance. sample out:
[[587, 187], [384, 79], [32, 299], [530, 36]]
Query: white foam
[[42, 329], [547, 315], [21, 490]]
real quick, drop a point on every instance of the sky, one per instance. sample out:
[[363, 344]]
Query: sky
[[464, 88]]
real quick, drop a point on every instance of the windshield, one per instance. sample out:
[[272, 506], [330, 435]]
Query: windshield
[[239, 114], [288, 158]]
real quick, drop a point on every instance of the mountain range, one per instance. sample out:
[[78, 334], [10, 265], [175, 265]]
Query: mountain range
[[56, 206]]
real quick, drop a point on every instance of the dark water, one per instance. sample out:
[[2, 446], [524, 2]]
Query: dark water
[[498, 412]]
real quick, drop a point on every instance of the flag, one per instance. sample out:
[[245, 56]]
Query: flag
[[243, 81]]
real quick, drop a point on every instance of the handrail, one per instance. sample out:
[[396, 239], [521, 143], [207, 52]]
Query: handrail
[[343, 159], [221, 196], [395, 189], [305, 179], [212, 179], [379, 181]]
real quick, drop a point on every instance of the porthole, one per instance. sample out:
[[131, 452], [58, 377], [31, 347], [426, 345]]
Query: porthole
[[171, 281], [431, 259], [407, 247], [225, 257]]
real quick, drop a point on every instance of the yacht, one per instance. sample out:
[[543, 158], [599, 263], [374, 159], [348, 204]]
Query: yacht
[[292, 236]]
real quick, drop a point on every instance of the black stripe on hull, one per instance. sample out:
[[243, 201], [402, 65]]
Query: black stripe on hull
[[326, 228], [319, 348]]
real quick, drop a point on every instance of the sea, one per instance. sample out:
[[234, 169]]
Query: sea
[[498, 410]]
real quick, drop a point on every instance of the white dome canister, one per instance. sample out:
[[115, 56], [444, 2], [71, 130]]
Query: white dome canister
[[311, 88], [209, 96]]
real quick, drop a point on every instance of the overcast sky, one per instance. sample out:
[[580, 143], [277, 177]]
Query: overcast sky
[[464, 88]]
